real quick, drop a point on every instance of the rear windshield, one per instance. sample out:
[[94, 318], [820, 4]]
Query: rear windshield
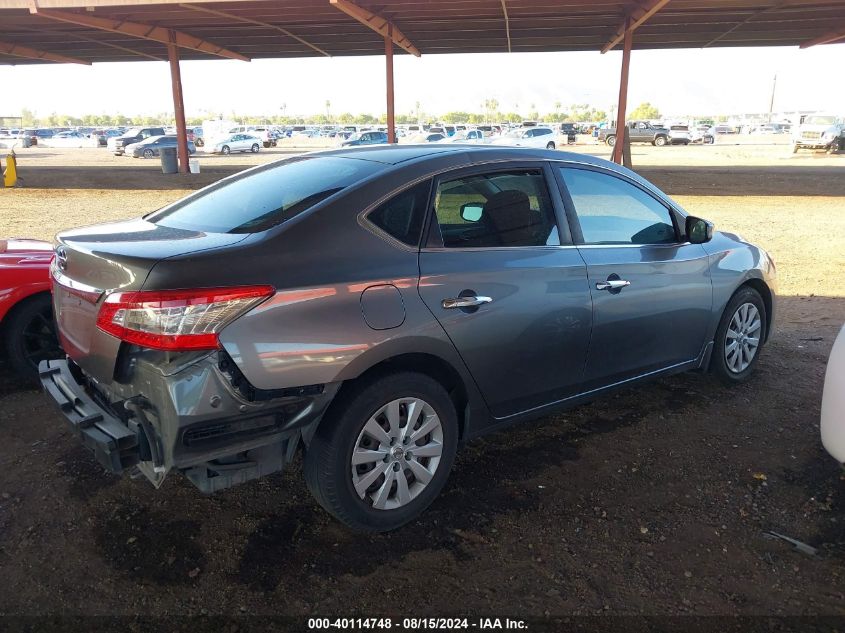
[[266, 197]]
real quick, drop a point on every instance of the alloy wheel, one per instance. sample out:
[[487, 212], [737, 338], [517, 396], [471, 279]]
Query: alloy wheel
[[39, 338], [397, 453], [742, 339]]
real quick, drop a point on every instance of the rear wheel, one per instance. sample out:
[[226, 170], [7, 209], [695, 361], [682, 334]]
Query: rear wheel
[[148, 153], [550, 145], [254, 148], [610, 140], [660, 141], [383, 452], [30, 336], [739, 336], [225, 149]]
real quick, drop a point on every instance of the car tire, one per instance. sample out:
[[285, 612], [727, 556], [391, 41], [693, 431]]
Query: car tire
[[660, 141], [550, 145], [744, 318], [255, 148], [29, 336], [610, 140], [148, 153], [225, 150], [686, 143], [328, 465]]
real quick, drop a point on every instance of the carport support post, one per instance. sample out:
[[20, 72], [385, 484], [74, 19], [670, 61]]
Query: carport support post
[[178, 104], [621, 126], [388, 58]]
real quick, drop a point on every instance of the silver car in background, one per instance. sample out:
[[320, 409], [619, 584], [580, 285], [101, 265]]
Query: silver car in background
[[241, 142]]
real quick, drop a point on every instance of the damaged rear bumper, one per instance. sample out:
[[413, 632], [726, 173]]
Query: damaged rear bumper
[[195, 417], [114, 445]]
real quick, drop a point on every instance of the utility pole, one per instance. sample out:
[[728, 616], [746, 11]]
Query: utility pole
[[772, 100]]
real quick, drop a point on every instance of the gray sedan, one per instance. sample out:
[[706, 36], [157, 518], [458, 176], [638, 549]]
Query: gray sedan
[[152, 146], [377, 307]]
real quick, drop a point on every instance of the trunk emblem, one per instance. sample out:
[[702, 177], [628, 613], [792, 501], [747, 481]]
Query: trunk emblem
[[61, 257]]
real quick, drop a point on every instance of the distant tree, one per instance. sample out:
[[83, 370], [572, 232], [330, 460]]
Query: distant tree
[[645, 111], [346, 118]]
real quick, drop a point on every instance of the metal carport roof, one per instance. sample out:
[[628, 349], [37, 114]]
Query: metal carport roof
[[296, 28]]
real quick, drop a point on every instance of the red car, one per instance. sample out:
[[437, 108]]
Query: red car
[[26, 313]]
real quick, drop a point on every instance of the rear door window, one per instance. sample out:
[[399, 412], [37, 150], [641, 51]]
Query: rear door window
[[498, 209], [266, 197]]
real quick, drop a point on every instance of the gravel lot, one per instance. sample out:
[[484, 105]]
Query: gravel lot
[[652, 501]]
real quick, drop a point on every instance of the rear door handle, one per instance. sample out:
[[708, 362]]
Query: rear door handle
[[612, 284], [465, 302]]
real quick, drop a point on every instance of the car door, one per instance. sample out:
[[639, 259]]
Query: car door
[[500, 275], [651, 289]]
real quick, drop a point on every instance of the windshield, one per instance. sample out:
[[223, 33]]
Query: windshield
[[820, 120], [266, 197]]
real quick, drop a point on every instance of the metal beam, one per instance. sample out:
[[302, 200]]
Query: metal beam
[[507, 24], [637, 18], [137, 29], [16, 50], [380, 25], [828, 38], [621, 124], [178, 104], [238, 18], [388, 62]]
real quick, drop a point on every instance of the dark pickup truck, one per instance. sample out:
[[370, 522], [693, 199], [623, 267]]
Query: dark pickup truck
[[135, 135], [638, 132]]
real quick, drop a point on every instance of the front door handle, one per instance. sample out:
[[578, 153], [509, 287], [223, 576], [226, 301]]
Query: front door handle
[[612, 284], [465, 302]]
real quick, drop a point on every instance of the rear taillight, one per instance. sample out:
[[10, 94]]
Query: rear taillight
[[176, 320]]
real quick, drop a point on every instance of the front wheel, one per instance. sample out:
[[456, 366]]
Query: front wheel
[[254, 148], [610, 140], [550, 145], [383, 452], [148, 153], [740, 335], [660, 141], [225, 149]]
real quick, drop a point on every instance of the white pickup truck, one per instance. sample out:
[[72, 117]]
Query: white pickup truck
[[819, 131]]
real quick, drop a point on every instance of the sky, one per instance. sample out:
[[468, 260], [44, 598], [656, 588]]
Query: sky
[[692, 81]]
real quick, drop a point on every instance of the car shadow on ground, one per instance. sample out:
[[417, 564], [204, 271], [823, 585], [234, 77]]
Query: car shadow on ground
[[700, 450]]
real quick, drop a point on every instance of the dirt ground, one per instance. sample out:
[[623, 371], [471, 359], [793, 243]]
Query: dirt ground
[[652, 501]]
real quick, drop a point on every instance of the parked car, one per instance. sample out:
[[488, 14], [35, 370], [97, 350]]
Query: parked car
[[300, 304], [27, 328], [151, 147], [679, 135], [833, 401], [638, 132], [199, 139], [69, 139], [702, 134], [133, 135], [473, 137], [370, 137], [534, 136], [569, 131], [236, 143], [819, 131]]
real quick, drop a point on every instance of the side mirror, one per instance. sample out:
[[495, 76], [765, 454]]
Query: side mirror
[[471, 211], [698, 231]]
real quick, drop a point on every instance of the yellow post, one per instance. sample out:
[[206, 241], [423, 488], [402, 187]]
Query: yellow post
[[10, 176]]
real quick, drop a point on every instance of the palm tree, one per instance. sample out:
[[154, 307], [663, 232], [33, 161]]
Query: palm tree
[[328, 107]]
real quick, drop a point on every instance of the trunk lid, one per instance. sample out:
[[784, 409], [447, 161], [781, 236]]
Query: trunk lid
[[94, 261]]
